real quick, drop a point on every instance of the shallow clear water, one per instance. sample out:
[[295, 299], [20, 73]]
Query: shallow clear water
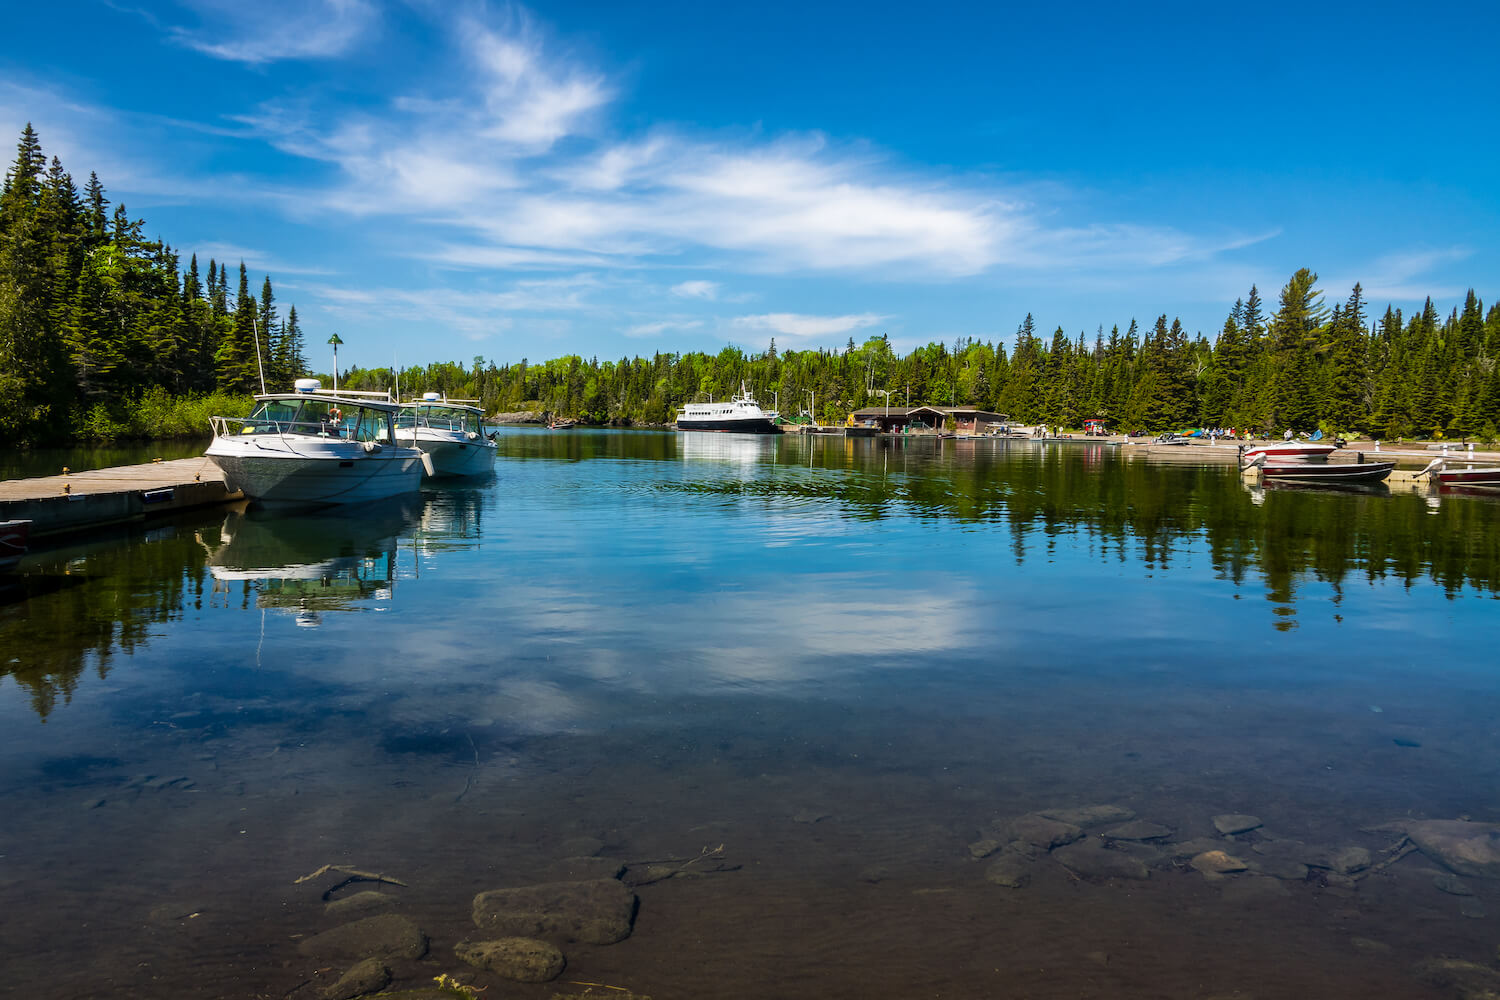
[[844, 662]]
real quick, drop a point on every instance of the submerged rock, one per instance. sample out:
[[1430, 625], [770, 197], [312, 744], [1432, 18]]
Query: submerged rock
[[524, 960], [1452, 884], [1230, 824], [1218, 863], [599, 911], [1348, 860], [361, 903], [983, 848], [1091, 859], [1194, 847], [1138, 830], [366, 977], [1290, 871], [1089, 816], [1470, 979], [1010, 870], [1459, 845], [385, 936], [1034, 828]]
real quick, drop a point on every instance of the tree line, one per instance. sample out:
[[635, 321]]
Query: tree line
[[1302, 365], [94, 316]]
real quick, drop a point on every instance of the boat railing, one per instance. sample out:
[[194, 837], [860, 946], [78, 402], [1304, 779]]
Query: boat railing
[[234, 427]]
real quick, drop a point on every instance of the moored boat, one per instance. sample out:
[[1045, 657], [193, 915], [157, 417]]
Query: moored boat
[[1294, 451], [1321, 472], [741, 413], [1471, 476], [14, 538], [316, 447], [450, 431]]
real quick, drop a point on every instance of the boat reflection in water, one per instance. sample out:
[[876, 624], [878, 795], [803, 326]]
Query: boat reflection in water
[[310, 563], [737, 449]]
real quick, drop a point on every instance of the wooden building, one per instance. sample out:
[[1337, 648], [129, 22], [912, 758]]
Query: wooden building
[[930, 419]]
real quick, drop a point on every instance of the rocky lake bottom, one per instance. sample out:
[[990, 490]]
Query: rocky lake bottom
[[762, 721]]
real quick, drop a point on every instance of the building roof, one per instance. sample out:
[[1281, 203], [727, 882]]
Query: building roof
[[876, 412]]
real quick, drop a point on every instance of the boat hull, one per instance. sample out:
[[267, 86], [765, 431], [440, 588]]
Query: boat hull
[[1292, 451], [455, 456], [758, 425], [1469, 477], [1304, 472], [293, 479], [14, 538]]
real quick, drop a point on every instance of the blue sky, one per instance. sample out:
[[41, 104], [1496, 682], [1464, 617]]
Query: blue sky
[[435, 181]]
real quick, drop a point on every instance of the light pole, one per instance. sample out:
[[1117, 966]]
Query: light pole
[[335, 341], [887, 394]]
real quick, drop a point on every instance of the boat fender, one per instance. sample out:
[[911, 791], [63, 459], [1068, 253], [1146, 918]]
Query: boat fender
[[371, 447], [473, 436], [427, 463]]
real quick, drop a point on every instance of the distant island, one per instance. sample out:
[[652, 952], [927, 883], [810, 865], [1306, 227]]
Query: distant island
[[104, 334]]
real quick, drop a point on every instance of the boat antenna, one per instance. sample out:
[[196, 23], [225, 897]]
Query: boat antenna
[[255, 333]]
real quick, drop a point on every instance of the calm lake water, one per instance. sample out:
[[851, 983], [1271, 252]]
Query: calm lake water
[[846, 663]]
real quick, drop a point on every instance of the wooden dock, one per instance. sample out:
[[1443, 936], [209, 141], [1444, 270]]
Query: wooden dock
[[80, 501]]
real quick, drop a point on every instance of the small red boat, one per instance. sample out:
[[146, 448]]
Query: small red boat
[[1467, 477], [1292, 451], [13, 541]]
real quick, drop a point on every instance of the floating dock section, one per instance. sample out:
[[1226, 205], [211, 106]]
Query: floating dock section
[[80, 501]]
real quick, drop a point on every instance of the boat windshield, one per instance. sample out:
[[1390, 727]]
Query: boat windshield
[[318, 417], [444, 418]]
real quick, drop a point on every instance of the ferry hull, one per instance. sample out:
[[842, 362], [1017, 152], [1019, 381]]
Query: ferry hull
[[756, 426]]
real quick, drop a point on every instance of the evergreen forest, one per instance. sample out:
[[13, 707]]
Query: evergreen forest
[[98, 322]]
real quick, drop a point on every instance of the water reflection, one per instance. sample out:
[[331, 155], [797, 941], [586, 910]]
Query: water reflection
[[325, 561]]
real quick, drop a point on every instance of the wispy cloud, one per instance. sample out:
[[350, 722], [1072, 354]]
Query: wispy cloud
[[477, 314], [257, 262], [1393, 277], [264, 32], [696, 290], [800, 325], [659, 327]]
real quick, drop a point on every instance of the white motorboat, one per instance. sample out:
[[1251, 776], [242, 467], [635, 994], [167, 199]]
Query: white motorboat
[[741, 413], [316, 447], [451, 431], [1291, 451]]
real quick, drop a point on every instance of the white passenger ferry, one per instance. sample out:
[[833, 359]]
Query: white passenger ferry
[[741, 413]]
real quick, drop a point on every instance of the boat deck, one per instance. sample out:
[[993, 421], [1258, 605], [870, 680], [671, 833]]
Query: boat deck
[[80, 501]]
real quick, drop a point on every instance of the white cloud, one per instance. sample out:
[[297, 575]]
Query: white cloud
[[661, 326], [257, 262], [799, 325], [263, 32], [697, 290], [1393, 277], [476, 314]]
